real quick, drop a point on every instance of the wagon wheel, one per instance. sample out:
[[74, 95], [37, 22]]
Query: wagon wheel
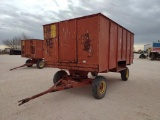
[[125, 74], [40, 64], [58, 75], [94, 73], [99, 87], [29, 61]]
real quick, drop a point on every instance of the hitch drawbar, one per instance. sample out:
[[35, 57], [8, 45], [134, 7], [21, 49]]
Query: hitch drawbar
[[62, 84], [26, 64]]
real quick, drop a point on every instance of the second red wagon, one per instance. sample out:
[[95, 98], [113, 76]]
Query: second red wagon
[[33, 49]]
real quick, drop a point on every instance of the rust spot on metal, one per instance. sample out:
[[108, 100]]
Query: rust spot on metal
[[47, 32], [86, 43], [32, 49], [49, 43]]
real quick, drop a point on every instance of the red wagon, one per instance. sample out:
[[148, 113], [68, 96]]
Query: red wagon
[[32, 49], [86, 44]]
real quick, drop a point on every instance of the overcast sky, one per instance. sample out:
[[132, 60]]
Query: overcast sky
[[142, 17]]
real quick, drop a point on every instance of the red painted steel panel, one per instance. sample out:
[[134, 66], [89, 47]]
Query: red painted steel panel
[[28, 50], [119, 43], [51, 42], [132, 43], [128, 47], [87, 37], [67, 41], [124, 45], [23, 48], [104, 44], [113, 45], [38, 49], [32, 48]]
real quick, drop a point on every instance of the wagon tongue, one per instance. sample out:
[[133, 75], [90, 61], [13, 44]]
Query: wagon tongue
[[52, 89], [23, 101], [21, 66], [64, 84]]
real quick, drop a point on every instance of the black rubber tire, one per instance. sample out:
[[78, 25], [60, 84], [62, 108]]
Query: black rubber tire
[[96, 87], [125, 74], [152, 56], [29, 61], [58, 75], [142, 56], [40, 64], [94, 74]]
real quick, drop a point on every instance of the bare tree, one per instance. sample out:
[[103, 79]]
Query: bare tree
[[15, 42], [24, 37], [8, 43]]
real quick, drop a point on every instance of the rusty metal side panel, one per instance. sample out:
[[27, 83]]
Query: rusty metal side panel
[[80, 42], [128, 47], [87, 37], [41, 49], [67, 41], [26, 48], [113, 45], [32, 48], [50, 44], [132, 44], [75, 66], [22, 48], [104, 44], [38, 49], [124, 45], [119, 43]]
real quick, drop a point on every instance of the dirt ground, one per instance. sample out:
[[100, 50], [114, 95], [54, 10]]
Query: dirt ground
[[135, 99]]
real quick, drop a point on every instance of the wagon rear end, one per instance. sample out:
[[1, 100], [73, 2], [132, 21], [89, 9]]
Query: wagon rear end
[[32, 48]]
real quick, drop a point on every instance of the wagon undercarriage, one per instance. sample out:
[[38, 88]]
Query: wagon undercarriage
[[77, 79]]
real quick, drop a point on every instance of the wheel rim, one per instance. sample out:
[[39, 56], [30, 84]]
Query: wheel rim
[[127, 73], [41, 64], [102, 87]]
